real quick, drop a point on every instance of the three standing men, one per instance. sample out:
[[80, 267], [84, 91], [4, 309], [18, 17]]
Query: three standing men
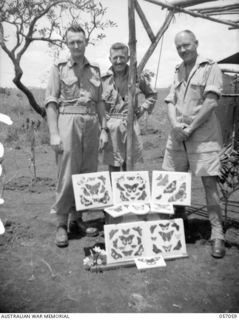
[[195, 139], [74, 105]]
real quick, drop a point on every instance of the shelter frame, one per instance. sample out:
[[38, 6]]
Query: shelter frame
[[173, 6]]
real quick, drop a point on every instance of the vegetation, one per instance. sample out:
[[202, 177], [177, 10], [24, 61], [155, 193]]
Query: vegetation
[[43, 20]]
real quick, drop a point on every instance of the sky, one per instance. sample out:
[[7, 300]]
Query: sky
[[216, 41]]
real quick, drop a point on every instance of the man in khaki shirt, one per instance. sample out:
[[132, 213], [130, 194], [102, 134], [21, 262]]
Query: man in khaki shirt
[[115, 95], [195, 139], [74, 109]]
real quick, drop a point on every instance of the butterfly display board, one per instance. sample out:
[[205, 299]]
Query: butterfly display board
[[161, 208], [171, 188], [130, 187], [149, 262], [166, 237], [117, 210], [128, 241], [92, 190]]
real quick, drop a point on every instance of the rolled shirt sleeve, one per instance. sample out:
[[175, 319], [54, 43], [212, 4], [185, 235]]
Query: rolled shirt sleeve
[[53, 87], [171, 96], [214, 81], [149, 93]]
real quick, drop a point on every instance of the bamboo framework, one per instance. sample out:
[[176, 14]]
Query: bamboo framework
[[173, 7]]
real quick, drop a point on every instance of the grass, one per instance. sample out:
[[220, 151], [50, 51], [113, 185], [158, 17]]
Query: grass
[[14, 104]]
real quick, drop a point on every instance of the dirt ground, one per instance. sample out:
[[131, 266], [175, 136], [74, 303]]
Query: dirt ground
[[37, 276]]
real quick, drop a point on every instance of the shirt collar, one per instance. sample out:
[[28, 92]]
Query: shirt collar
[[200, 60], [71, 62], [111, 71]]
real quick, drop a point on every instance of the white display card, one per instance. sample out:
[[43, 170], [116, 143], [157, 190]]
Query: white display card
[[124, 241], [162, 208], [150, 262], [130, 187], [171, 188], [92, 190], [166, 237]]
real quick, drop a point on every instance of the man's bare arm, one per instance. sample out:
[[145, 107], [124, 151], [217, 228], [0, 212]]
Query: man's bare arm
[[52, 116], [103, 135], [177, 127], [209, 104]]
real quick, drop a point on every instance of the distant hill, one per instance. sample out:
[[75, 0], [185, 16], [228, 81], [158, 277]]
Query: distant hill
[[14, 97]]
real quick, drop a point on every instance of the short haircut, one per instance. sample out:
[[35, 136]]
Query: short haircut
[[189, 32], [119, 46], [74, 28]]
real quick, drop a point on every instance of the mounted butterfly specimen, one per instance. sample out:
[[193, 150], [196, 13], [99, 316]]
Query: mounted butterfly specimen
[[127, 240], [166, 236], [171, 187], [164, 226], [180, 194], [178, 246], [156, 249], [163, 181]]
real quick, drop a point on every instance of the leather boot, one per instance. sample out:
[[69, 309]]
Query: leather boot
[[218, 248], [61, 237]]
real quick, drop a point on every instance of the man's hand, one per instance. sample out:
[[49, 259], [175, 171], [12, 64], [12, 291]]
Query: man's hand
[[179, 132], [56, 143], [187, 130], [103, 140]]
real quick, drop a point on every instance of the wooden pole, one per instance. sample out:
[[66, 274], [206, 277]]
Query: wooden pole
[[131, 84], [153, 45], [192, 13], [217, 9], [187, 3], [223, 13], [144, 21], [160, 53]]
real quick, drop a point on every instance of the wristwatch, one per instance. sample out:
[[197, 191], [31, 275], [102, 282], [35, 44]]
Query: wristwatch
[[106, 129]]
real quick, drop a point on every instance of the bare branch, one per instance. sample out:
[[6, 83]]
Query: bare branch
[[25, 16]]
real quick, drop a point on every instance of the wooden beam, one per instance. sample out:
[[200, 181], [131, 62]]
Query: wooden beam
[[217, 9], [144, 21], [153, 45], [232, 69], [191, 13], [187, 3], [131, 85], [223, 13]]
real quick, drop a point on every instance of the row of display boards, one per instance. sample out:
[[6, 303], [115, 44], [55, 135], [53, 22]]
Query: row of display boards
[[147, 242]]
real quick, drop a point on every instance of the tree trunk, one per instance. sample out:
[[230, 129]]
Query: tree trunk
[[17, 80]]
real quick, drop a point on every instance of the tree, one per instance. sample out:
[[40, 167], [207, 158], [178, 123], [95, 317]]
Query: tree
[[44, 20]]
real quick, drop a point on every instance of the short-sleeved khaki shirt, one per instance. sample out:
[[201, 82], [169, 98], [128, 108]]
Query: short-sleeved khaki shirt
[[70, 85], [188, 97]]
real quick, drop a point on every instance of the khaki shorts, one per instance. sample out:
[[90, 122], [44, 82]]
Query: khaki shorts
[[200, 164]]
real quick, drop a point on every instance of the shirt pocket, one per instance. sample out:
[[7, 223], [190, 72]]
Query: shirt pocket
[[176, 95], [197, 91], [70, 88], [95, 88], [110, 98]]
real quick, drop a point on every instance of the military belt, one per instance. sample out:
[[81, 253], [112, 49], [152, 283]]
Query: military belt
[[116, 115], [77, 110]]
